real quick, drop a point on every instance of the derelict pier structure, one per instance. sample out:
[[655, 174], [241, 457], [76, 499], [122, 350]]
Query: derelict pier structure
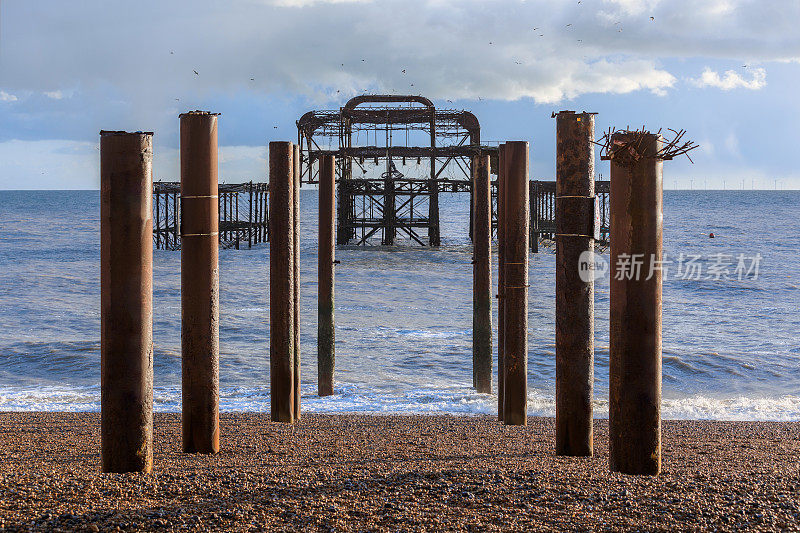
[[394, 156]]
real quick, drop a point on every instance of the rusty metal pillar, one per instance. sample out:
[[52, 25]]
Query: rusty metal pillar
[[517, 220], [575, 230], [199, 282], [281, 280], [296, 232], [126, 301], [482, 276], [326, 332], [501, 276], [635, 318]]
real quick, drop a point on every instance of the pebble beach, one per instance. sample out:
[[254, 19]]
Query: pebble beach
[[395, 473]]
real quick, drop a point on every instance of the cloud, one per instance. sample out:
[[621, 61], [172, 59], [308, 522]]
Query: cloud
[[732, 80], [330, 49], [7, 97], [55, 95]]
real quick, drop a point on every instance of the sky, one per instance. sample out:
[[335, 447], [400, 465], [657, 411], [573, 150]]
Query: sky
[[726, 71]]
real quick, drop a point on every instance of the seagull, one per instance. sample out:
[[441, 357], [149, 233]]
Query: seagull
[[252, 79], [196, 73], [490, 42], [652, 18], [171, 52], [568, 25], [534, 29], [404, 71]]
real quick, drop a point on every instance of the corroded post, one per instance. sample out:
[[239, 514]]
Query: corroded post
[[199, 282], [501, 276], [574, 293], [281, 281], [635, 321], [326, 332], [517, 222], [126, 301], [482, 276], [296, 258]]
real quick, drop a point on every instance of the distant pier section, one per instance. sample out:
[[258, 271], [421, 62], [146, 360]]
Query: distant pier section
[[243, 215]]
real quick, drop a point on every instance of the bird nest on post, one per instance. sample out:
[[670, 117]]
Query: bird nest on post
[[637, 144]]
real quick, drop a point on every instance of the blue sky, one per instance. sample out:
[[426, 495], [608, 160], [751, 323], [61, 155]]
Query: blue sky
[[727, 71]]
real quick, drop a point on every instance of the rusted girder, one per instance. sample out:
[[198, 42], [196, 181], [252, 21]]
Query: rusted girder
[[516, 235], [199, 282], [635, 318], [482, 276], [502, 172], [326, 331], [575, 216], [296, 244], [126, 301], [281, 281]]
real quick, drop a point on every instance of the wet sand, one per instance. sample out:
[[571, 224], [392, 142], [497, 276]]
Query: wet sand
[[395, 473]]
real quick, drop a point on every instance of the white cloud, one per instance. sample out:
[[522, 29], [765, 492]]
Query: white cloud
[[7, 97], [732, 80], [333, 49], [55, 95]]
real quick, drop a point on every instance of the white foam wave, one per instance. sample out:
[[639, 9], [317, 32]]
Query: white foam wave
[[434, 400]]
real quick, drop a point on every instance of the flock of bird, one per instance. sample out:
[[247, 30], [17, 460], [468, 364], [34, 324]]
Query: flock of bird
[[491, 43]]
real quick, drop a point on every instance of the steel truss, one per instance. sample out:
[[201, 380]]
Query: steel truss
[[384, 202]]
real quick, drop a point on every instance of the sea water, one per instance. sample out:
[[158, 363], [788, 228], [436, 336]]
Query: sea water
[[731, 348]]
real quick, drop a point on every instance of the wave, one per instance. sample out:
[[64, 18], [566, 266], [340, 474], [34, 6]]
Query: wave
[[458, 401]]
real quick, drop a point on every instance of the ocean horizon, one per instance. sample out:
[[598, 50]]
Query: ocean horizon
[[404, 314]]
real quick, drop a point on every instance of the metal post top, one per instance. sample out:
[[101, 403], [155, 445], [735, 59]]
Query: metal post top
[[198, 112], [108, 133], [568, 112]]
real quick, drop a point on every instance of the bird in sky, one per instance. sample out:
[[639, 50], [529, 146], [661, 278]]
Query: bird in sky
[[171, 52], [490, 42], [404, 71], [652, 18], [534, 29], [196, 73], [568, 25], [252, 79]]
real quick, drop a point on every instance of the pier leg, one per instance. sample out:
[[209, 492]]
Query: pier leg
[[281, 281], [635, 318], [501, 276], [516, 283], [574, 296], [482, 276], [326, 332], [296, 237], [199, 282], [126, 301]]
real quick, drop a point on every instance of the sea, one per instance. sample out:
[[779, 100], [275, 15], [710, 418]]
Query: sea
[[731, 314]]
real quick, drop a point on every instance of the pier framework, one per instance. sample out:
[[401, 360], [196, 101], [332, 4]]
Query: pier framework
[[394, 156], [243, 214]]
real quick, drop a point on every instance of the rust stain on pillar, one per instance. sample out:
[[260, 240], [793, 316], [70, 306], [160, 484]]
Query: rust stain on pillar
[[326, 332], [199, 282], [126, 301], [501, 276], [635, 318], [482, 276], [281, 281], [296, 232], [517, 222], [574, 295]]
